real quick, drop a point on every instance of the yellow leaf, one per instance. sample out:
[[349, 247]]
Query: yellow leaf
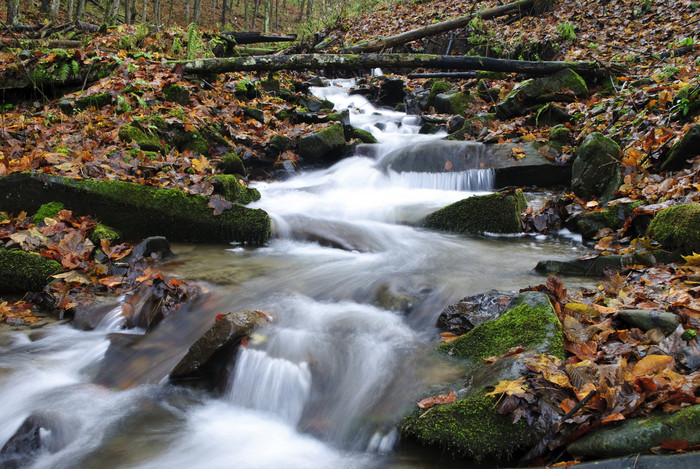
[[692, 260], [509, 387], [652, 364]]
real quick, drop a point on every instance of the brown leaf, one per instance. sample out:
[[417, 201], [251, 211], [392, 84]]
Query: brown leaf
[[435, 400]]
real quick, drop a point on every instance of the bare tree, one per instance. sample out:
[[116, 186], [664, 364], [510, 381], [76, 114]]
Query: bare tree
[[12, 11]]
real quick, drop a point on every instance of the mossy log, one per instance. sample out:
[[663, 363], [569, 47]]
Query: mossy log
[[392, 61], [137, 211], [442, 27]]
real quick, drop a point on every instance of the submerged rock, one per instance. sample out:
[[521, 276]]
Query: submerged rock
[[492, 213], [472, 426]]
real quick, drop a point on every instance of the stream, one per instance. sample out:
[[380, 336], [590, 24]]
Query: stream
[[354, 285]]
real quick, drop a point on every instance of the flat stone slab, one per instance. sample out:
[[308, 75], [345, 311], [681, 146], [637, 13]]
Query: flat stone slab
[[530, 169]]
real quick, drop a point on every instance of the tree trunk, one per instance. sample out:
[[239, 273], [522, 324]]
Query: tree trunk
[[79, 10], [442, 27], [197, 11], [393, 61], [12, 12]]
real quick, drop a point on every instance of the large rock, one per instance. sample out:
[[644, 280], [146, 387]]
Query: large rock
[[22, 271], [492, 213], [677, 228], [563, 86], [687, 148], [531, 169], [472, 426], [596, 171], [227, 331], [325, 145], [640, 434], [137, 211]]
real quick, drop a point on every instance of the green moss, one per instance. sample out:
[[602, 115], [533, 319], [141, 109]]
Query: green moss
[[471, 427], [49, 210], [96, 101], [177, 94], [103, 232], [231, 163], [228, 187], [139, 211], [524, 325], [678, 227], [22, 271], [147, 142], [492, 213]]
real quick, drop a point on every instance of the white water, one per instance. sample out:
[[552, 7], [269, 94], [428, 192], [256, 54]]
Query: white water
[[324, 385]]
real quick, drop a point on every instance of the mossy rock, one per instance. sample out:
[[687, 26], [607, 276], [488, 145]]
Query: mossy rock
[[146, 141], [492, 213], [138, 211], [563, 86], [101, 232], [176, 94], [686, 148], [254, 113], [596, 171], [453, 102], [326, 144], [678, 228], [95, 101], [437, 88], [640, 434], [360, 134], [22, 271], [472, 426], [231, 189], [529, 322], [49, 210]]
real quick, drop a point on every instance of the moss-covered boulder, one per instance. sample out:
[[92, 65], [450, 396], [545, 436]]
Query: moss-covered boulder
[[563, 86], [48, 210], [231, 163], [596, 171], [22, 271], [138, 211], [176, 93], [640, 434], [326, 144], [229, 187], [146, 140], [472, 426], [677, 228], [688, 147], [492, 213], [453, 102]]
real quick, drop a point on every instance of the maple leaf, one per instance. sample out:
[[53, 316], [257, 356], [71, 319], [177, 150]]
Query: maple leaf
[[219, 204]]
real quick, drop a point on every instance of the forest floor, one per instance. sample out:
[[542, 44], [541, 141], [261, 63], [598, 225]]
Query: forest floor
[[640, 110]]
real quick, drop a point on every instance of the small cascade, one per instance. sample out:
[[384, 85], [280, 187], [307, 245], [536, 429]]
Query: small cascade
[[473, 180], [274, 385]]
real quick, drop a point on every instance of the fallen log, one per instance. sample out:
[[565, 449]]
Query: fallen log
[[444, 26], [392, 61], [255, 37]]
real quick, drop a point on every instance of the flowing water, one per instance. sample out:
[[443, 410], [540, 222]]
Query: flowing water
[[354, 286]]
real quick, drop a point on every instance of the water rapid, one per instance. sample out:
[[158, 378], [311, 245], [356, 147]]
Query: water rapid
[[354, 285]]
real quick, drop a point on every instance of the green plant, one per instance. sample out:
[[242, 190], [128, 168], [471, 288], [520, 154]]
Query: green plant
[[566, 31]]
